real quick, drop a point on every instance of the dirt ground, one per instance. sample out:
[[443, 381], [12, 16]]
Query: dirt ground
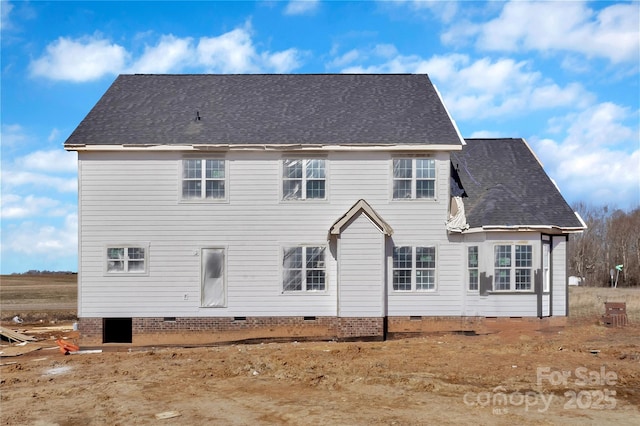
[[581, 374]]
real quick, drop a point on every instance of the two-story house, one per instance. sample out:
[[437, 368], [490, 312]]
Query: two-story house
[[228, 207]]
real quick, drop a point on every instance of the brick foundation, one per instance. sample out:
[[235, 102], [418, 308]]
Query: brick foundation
[[408, 326], [209, 330]]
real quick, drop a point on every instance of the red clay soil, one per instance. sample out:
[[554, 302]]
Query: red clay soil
[[580, 374]]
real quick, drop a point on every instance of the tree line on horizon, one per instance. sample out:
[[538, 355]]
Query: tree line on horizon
[[611, 239]]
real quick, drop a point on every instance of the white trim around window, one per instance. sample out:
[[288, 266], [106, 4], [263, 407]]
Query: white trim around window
[[473, 269], [513, 268], [204, 179], [413, 178], [126, 259], [304, 269], [414, 268], [303, 179]]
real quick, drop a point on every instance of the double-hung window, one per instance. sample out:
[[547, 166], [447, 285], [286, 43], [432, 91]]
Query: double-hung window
[[303, 179], [473, 277], [513, 267], [414, 268], [304, 269], [203, 179], [126, 260], [414, 178]]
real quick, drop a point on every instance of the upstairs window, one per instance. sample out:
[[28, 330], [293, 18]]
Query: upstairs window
[[126, 260], [414, 268], [304, 269], [414, 178], [473, 277], [203, 179], [512, 268], [303, 179]]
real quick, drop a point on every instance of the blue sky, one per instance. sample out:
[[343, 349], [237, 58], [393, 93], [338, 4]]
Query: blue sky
[[563, 75]]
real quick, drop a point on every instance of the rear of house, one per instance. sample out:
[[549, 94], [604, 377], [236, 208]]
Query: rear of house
[[229, 207]]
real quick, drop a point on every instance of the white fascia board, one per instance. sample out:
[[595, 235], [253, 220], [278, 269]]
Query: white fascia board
[[455, 125], [266, 147], [527, 228]]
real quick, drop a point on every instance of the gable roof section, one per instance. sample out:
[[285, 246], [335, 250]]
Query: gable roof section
[[364, 207], [507, 187], [326, 109]]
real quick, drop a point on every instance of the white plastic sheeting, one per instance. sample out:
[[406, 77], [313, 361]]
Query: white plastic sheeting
[[457, 220], [213, 289]]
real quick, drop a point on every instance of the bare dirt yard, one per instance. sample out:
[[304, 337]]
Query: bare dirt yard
[[584, 373]]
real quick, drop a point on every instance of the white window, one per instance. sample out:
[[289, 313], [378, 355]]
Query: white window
[[414, 268], [303, 179], [512, 266], [203, 179], [472, 269], [546, 266], [304, 269], [414, 178], [126, 260]]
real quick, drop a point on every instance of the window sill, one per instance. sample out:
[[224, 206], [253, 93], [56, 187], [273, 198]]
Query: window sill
[[414, 199], [512, 292], [204, 201], [126, 274]]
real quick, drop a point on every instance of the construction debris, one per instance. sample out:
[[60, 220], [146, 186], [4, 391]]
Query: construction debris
[[14, 336], [67, 347], [167, 415]]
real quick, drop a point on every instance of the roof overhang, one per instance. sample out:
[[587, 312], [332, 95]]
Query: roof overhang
[[262, 147], [526, 228], [365, 208]]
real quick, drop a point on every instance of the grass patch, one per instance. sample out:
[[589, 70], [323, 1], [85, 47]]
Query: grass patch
[[587, 302]]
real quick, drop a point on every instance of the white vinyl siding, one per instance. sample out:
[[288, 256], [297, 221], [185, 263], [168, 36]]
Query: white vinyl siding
[[361, 280], [136, 197], [559, 277]]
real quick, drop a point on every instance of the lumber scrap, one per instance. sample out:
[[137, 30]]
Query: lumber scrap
[[14, 336]]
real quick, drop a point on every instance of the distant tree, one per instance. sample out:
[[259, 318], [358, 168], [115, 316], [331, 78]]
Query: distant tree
[[612, 238]]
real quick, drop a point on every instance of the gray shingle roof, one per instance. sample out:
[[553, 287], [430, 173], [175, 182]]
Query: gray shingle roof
[[268, 109], [507, 186]]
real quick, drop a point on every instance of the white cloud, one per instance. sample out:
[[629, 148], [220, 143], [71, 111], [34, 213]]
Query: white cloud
[[301, 7], [170, 54], [5, 10], [485, 87], [53, 169], [282, 62], [599, 157], [15, 206], [234, 52], [12, 179], [54, 135], [85, 59], [611, 33], [12, 135], [32, 238], [485, 134], [345, 59], [56, 160], [90, 58]]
